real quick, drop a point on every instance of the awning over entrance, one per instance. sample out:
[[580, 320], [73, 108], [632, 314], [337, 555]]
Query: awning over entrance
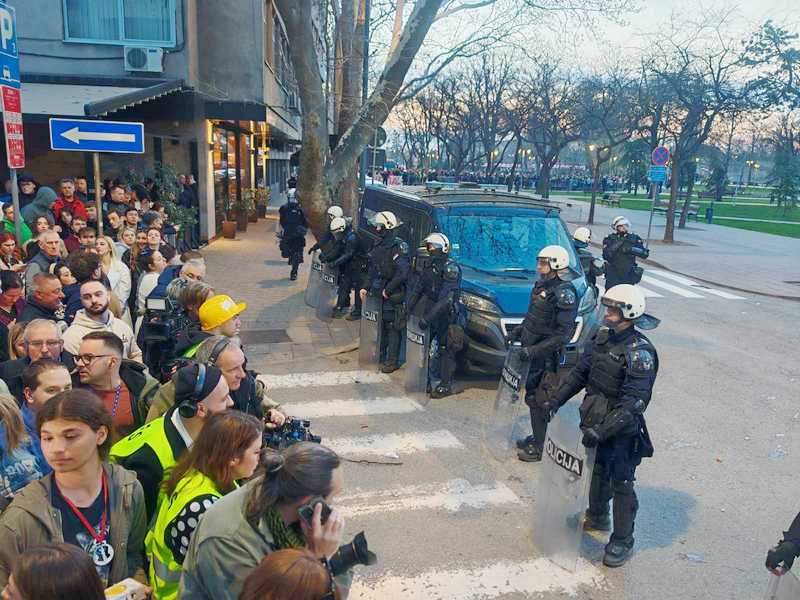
[[67, 100]]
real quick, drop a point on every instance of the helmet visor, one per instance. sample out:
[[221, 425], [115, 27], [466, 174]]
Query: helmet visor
[[611, 303]]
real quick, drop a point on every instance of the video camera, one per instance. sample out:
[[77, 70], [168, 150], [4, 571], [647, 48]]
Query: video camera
[[292, 431], [162, 324]]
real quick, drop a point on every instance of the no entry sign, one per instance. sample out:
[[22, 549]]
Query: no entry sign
[[660, 156]]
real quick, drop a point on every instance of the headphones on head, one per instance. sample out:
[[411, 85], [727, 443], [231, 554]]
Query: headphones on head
[[188, 408], [218, 349]]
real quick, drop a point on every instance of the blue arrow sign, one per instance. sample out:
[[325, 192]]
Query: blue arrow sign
[[96, 136], [9, 56], [658, 174]]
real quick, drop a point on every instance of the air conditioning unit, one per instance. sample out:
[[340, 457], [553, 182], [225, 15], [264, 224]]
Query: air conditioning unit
[[150, 60]]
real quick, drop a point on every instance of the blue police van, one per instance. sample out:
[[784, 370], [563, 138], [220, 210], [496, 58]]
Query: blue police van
[[495, 237]]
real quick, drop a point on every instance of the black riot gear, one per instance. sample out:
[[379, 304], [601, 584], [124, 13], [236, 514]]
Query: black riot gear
[[618, 370], [620, 251], [293, 238], [546, 328]]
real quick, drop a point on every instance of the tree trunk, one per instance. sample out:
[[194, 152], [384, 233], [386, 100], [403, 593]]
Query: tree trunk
[[595, 177], [689, 190], [669, 228], [353, 49], [543, 182]]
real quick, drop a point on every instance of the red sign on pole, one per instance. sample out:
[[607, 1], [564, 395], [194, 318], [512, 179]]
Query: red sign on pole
[[660, 156], [12, 120]]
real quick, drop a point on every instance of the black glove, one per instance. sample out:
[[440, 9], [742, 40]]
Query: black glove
[[515, 334], [785, 553], [423, 324], [590, 438], [525, 353]]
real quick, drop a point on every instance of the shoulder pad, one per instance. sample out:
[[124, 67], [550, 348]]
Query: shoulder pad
[[566, 296], [642, 360], [452, 272], [402, 247]]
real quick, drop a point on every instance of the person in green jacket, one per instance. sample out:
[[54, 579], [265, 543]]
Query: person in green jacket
[[8, 223], [227, 450]]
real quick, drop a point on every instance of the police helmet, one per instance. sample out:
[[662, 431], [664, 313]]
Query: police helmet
[[335, 212], [556, 256], [437, 243], [338, 225], [385, 220], [583, 235], [620, 221], [629, 299]]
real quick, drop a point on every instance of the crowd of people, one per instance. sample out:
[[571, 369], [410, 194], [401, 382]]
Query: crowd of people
[[127, 412]]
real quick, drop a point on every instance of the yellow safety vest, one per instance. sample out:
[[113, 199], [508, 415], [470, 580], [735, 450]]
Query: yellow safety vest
[[165, 571]]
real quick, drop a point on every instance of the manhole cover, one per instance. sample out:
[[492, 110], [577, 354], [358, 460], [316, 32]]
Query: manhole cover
[[264, 336]]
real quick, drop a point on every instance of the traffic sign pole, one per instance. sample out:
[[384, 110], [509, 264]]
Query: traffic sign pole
[[97, 196], [17, 212], [652, 210]]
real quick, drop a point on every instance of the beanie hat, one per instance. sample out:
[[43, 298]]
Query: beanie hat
[[185, 382]]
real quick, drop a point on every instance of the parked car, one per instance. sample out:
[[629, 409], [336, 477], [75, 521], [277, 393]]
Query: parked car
[[495, 237]]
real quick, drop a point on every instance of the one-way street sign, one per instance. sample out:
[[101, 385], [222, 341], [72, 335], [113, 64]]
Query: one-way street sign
[[96, 136]]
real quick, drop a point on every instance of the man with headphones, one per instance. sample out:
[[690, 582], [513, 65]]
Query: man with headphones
[[246, 390], [154, 448]]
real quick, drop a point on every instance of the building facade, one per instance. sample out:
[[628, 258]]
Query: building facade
[[210, 79]]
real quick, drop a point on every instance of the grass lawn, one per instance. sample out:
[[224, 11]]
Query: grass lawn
[[727, 209]]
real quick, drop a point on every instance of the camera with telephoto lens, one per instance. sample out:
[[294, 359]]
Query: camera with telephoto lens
[[291, 432], [352, 554]]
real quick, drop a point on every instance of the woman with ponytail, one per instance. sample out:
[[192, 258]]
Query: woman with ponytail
[[262, 517]]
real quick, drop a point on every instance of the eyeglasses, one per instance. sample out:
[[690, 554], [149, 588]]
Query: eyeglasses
[[85, 359], [42, 343]]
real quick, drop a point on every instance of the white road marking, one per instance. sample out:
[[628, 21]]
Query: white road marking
[[648, 293], [695, 284], [353, 407], [491, 581], [669, 287], [450, 495], [394, 443], [317, 379]]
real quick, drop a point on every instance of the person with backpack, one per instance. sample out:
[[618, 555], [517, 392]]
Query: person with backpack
[[293, 237]]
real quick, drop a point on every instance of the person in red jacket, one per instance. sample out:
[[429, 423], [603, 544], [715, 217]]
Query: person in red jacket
[[67, 197]]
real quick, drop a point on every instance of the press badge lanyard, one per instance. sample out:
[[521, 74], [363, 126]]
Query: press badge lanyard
[[102, 553], [115, 406]]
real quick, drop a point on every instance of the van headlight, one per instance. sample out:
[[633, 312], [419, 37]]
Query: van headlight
[[589, 301], [473, 302]]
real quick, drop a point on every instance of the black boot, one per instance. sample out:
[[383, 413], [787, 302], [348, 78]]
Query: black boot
[[442, 391], [620, 547], [597, 517], [522, 443], [390, 367], [617, 553], [530, 453], [595, 522], [293, 274]]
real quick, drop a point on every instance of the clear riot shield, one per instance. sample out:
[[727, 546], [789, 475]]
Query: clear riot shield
[[369, 346], [785, 587], [328, 292], [314, 285], [508, 418], [417, 354], [563, 489]]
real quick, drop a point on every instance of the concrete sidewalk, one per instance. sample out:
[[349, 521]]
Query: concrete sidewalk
[[277, 326], [749, 261]]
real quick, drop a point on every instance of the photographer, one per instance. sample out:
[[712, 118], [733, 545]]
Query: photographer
[[227, 450], [620, 250], [263, 517], [246, 391]]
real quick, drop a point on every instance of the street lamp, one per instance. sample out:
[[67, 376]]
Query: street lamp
[[751, 164]]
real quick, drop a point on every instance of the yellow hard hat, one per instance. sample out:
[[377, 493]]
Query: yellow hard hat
[[218, 309]]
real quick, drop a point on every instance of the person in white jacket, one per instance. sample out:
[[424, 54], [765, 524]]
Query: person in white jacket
[[119, 275], [96, 316]]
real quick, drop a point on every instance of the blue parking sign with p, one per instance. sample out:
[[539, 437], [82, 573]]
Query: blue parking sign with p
[[9, 55]]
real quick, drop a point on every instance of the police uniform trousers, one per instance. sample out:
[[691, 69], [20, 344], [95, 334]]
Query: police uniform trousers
[[537, 389], [394, 325], [613, 477]]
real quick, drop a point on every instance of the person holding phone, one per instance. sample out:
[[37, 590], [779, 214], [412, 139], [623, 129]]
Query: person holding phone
[[227, 450], [264, 516]]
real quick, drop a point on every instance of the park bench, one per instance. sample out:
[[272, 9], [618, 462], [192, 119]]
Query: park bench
[[611, 199], [662, 207]]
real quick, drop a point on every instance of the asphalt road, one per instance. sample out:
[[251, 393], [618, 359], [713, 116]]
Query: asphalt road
[[449, 522]]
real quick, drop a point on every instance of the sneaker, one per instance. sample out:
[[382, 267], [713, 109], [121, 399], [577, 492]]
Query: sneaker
[[530, 454], [389, 367], [617, 554], [597, 522], [523, 443]]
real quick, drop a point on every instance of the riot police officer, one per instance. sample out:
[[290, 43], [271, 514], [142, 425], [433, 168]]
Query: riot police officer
[[781, 558], [580, 239], [325, 242], [618, 370], [436, 300], [389, 268], [343, 257], [620, 251], [293, 238], [546, 328]]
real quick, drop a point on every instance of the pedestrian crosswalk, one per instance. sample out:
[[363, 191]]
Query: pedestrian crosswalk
[[438, 517], [671, 284]]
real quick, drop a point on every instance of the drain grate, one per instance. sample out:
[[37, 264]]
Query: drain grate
[[264, 336]]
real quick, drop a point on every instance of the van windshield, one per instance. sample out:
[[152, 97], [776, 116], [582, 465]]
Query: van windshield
[[503, 239]]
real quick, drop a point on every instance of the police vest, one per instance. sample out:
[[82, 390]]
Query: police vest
[[610, 365], [541, 317], [165, 571]]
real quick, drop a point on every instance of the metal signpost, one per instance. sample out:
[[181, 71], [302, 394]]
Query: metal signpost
[[658, 174], [80, 135], [12, 106]]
